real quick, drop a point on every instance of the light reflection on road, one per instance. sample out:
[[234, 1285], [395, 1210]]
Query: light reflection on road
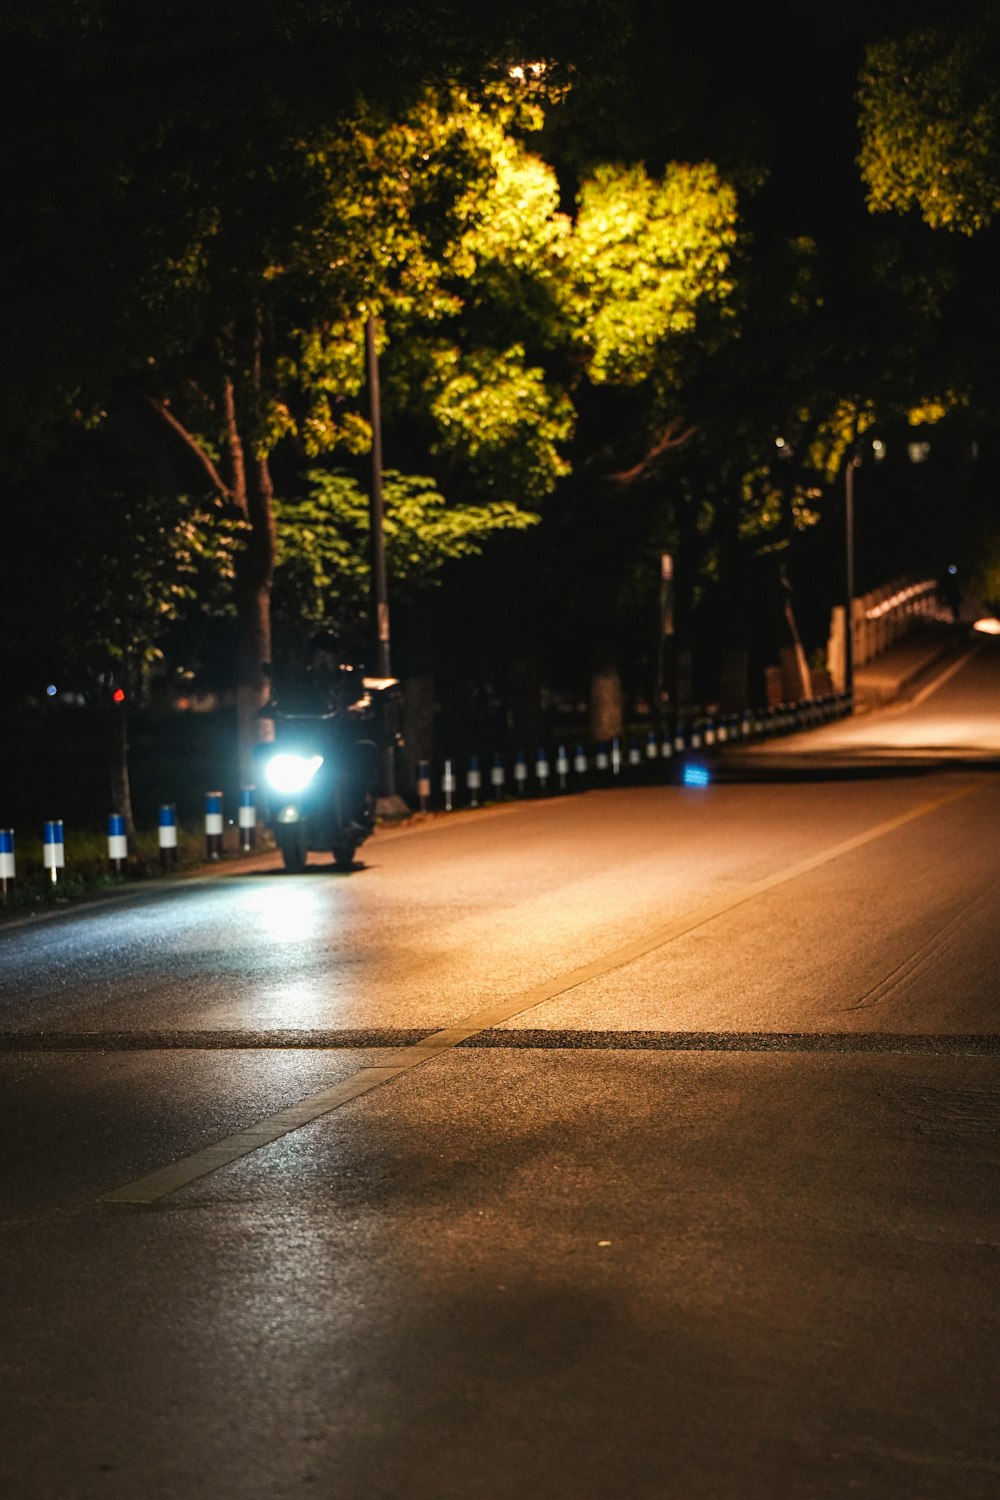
[[284, 911]]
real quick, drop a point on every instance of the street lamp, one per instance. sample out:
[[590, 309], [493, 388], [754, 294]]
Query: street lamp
[[853, 462], [389, 800]]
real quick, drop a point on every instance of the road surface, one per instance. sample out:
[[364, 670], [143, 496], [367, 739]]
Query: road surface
[[636, 1144]]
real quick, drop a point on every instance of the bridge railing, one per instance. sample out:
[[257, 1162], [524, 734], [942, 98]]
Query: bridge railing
[[878, 619]]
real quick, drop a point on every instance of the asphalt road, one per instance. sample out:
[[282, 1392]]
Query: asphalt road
[[639, 1144]]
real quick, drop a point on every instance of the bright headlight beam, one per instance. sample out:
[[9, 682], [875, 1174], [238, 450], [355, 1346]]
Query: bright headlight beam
[[289, 774]]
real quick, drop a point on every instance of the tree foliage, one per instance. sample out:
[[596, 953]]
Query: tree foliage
[[604, 304], [930, 123], [323, 566]]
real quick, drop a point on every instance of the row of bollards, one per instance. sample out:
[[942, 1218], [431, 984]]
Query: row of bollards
[[608, 763], [54, 848], [561, 772], [615, 760]]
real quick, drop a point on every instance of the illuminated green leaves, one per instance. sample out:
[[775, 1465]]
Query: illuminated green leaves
[[501, 419], [930, 116], [643, 255], [323, 538]]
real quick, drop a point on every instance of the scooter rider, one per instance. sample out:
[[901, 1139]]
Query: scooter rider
[[320, 712]]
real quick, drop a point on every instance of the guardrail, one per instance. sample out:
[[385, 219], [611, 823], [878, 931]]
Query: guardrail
[[879, 618]]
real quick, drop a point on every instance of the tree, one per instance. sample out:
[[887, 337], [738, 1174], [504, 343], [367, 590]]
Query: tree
[[930, 122], [213, 251], [323, 573], [125, 556]]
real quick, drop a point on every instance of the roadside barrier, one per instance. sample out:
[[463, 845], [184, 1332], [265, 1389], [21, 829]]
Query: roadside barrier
[[7, 868], [473, 781], [662, 756], [498, 776], [53, 848], [213, 825], [168, 835], [648, 755], [248, 818], [448, 786], [117, 843]]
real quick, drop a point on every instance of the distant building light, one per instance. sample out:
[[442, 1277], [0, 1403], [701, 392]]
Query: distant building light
[[51, 690], [918, 452], [878, 449], [952, 568]]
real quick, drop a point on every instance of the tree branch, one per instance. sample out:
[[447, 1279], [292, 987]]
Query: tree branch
[[672, 438], [162, 409], [237, 458]]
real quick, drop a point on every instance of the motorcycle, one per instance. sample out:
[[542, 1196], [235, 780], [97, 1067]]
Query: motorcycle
[[319, 775]]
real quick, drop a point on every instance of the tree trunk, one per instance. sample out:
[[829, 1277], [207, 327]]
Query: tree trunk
[[418, 692], [252, 492], [121, 786], [251, 495], [607, 713], [253, 612], [526, 720], [799, 656]]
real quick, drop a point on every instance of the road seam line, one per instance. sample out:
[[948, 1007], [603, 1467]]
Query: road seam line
[[148, 1190]]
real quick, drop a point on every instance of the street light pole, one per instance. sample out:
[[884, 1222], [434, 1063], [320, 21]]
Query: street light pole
[[379, 584], [852, 463]]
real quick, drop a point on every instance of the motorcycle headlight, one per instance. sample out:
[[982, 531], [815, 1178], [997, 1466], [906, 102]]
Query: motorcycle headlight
[[289, 774]]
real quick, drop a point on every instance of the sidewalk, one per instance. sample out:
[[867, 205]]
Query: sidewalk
[[900, 670]]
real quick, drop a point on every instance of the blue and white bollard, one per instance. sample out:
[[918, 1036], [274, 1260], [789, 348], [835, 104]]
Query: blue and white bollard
[[423, 784], [498, 776], [520, 772], [248, 818], [7, 869], [634, 755], [117, 843], [53, 850], [616, 757], [579, 761], [652, 748], [448, 786], [473, 780], [213, 825], [562, 767], [601, 760], [667, 746], [168, 834], [542, 768]]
